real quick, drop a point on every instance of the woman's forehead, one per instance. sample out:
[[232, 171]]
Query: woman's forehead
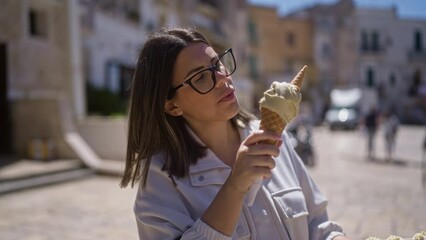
[[198, 50], [194, 56]]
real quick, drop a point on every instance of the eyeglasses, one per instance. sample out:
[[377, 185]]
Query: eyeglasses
[[205, 80]]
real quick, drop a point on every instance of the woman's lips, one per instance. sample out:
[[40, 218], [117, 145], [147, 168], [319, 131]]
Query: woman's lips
[[229, 97]]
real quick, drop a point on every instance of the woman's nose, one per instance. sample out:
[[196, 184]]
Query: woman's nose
[[222, 79]]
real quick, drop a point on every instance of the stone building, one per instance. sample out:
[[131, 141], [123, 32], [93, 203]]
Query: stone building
[[372, 49], [41, 71], [333, 52], [392, 61]]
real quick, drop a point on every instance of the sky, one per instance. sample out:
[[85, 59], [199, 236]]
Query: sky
[[412, 9]]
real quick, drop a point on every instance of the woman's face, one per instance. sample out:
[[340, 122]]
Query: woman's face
[[220, 104]]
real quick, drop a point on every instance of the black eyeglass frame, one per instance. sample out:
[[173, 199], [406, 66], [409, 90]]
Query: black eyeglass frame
[[212, 69]]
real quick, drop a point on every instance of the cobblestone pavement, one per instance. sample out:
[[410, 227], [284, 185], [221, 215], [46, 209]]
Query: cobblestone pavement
[[87, 209], [369, 198], [372, 198]]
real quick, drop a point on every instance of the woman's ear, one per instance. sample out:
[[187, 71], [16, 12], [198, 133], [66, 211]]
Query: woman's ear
[[171, 108]]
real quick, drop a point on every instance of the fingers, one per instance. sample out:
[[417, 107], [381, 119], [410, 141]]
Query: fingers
[[262, 149], [261, 135], [255, 158], [261, 161], [255, 143]]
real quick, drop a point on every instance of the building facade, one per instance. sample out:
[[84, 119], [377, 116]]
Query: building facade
[[371, 49], [41, 70], [57, 51], [392, 61]]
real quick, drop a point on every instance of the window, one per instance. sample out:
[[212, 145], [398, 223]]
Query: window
[[118, 79], [290, 39], [370, 41], [370, 77], [326, 51], [252, 32], [37, 23], [254, 73], [392, 80], [374, 41], [364, 40], [418, 41], [413, 90]]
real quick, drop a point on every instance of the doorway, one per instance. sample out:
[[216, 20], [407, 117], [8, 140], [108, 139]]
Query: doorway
[[5, 123]]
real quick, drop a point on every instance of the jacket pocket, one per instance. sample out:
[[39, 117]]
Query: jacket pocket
[[291, 207]]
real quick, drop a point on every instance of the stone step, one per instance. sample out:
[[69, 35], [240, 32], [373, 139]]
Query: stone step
[[43, 179]]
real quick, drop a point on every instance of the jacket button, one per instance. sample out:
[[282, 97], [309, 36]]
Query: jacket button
[[201, 178], [240, 230], [289, 211]]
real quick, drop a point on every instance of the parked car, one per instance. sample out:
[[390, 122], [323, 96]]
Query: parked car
[[344, 111], [344, 118]]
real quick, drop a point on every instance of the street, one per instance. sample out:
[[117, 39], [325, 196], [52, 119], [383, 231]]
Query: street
[[368, 198], [372, 198]]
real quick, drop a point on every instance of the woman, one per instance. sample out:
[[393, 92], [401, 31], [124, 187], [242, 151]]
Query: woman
[[196, 153]]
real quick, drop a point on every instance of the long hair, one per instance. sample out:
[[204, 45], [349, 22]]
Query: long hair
[[150, 129]]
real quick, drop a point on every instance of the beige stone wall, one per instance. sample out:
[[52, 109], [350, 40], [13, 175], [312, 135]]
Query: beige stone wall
[[299, 53], [269, 47], [38, 120], [106, 136], [38, 71], [278, 59], [36, 63]]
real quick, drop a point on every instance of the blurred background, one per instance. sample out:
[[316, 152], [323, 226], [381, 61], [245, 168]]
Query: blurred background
[[66, 67]]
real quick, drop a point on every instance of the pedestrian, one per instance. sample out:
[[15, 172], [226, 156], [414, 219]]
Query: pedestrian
[[371, 122], [424, 164], [390, 129], [195, 153]]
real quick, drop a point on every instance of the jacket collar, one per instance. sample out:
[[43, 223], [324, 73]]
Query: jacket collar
[[210, 169]]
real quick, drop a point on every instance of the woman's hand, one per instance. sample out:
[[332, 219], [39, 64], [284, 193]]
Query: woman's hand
[[254, 160]]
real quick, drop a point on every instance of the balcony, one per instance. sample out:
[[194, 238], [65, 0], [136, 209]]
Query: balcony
[[371, 49], [417, 55]]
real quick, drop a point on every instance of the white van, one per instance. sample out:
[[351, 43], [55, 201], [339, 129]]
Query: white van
[[344, 111]]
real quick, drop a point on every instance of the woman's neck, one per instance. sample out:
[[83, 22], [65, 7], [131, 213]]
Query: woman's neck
[[220, 137]]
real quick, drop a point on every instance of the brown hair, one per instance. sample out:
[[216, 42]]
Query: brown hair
[[151, 130]]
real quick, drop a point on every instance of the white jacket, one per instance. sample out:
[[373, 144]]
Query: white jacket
[[288, 206]]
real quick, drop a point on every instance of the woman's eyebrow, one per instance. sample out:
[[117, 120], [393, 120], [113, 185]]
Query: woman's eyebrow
[[194, 70], [212, 60]]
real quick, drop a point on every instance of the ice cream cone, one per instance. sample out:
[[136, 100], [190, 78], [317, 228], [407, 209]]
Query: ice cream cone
[[298, 80], [271, 121]]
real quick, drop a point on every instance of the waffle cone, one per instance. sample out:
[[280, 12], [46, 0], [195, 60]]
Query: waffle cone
[[271, 121], [298, 80]]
